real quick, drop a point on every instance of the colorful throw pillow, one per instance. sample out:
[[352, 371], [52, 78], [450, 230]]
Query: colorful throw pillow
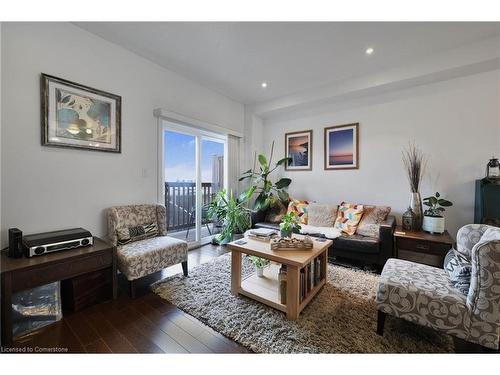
[[321, 215], [300, 208], [140, 232], [369, 225], [459, 270], [275, 214], [348, 217]]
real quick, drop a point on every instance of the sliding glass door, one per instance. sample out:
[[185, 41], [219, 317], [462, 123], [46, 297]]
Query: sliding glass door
[[193, 173]]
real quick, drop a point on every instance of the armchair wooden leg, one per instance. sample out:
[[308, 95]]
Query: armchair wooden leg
[[131, 284], [380, 323], [185, 268]]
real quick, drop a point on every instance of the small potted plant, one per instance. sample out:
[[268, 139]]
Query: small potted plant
[[259, 263], [289, 225], [433, 216]]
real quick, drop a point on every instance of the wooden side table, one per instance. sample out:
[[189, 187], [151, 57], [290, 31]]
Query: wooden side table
[[422, 247], [27, 273]]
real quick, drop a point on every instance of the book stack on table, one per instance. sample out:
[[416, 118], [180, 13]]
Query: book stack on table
[[262, 234]]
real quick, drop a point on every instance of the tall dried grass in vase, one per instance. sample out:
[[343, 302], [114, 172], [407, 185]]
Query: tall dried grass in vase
[[415, 163]]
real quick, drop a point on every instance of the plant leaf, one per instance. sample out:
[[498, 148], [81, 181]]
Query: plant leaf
[[437, 195], [445, 203], [283, 161], [262, 160], [284, 182], [283, 195], [259, 202]]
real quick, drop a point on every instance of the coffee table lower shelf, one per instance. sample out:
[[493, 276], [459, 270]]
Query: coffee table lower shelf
[[263, 289], [266, 290]]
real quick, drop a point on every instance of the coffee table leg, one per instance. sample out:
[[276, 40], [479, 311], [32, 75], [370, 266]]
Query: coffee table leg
[[292, 292], [235, 272]]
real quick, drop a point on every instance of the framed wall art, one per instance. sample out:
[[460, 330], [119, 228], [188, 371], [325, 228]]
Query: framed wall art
[[298, 147], [79, 117], [342, 147]]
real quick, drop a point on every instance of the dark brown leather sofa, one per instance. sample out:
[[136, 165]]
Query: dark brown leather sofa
[[368, 250]]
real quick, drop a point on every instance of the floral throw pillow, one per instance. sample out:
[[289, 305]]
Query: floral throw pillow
[[348, 217], [300, 209]]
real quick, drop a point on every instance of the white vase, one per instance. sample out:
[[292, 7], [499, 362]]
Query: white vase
[[433, 224], [259, 271]]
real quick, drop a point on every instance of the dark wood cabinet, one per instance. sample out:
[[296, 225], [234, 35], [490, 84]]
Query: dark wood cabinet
[[81, 271], [422, 247], [86, 290]]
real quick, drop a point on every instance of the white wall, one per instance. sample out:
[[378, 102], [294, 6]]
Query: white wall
[[1, 232], [46, 188], [456, 123]]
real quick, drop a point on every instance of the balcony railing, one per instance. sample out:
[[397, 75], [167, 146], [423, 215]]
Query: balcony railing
[[180, 201]]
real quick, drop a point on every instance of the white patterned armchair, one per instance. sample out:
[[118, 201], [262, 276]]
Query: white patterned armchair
[[425, 295], [139, 233]]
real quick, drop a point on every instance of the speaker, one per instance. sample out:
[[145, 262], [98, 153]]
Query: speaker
[[15, 243]]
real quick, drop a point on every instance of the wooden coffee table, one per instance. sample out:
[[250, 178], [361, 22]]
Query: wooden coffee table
[[266, 289]]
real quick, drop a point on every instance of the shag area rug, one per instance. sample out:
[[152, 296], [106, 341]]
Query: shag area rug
[[342, 318]]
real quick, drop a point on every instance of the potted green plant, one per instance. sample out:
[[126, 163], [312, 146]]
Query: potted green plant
[[268, 193], [433, 216], [259, 263], [232, 212], [289, 225]]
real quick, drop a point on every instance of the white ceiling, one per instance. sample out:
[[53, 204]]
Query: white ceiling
[[234, 58]]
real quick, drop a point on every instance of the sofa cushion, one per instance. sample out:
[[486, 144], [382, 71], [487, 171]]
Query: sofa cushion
[[459, 270], [372, 217], [137, 233], [321, 215], [327, 232], [357, 243], [424, 295], [300, 208], [348, 217], [141, 258]]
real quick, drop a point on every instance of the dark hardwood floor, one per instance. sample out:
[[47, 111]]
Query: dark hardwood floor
[[147, 324]]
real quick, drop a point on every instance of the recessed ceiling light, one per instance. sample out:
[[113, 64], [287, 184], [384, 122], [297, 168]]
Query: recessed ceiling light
[[263, 85], [369, 51]]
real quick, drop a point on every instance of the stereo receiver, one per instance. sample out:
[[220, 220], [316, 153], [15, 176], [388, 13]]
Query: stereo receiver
[[49, 242]]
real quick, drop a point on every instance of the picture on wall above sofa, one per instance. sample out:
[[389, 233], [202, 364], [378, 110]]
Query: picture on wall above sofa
[[298, 147], [341, 147], [78, 116]]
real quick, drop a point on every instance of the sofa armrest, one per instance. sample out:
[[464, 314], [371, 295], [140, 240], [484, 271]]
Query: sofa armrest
[[258, 217], [468, 236], [386, 237], [388, 225], [112, 219], [161, 217], [483, 298]]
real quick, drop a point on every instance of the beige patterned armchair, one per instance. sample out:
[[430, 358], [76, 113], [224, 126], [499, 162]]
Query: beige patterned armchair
[[425, 295], [143, 257]]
